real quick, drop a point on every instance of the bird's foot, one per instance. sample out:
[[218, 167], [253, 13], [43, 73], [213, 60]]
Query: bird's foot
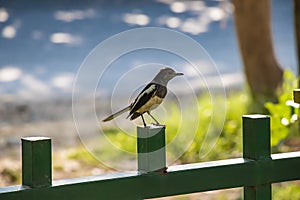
[[162, 171], [156, 124]]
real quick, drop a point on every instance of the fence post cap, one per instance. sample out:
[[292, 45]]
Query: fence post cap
[[153, 126], [35, 138], [297, 95], [255, 116]]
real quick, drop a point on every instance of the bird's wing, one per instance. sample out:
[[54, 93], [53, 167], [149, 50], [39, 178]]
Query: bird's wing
[[143, 97]]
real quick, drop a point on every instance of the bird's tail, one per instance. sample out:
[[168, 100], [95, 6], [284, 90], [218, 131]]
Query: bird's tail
[[116, 114]]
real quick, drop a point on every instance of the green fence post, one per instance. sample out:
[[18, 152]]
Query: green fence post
[[297, 96], [36, 162], [151, 148], [297, 91], [256, 146]]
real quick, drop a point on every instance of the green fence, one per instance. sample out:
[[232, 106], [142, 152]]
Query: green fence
[[255, 172]]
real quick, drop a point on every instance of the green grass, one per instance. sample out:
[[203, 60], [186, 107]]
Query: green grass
[[286, 191]]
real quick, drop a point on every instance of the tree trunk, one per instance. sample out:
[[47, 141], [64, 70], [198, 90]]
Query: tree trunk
[[297, 32], [253, 26]]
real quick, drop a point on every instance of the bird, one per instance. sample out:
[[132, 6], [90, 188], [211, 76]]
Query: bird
[[149, 98]]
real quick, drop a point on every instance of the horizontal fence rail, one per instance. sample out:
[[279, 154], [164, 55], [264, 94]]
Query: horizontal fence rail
[[182, 179], [256, 171]]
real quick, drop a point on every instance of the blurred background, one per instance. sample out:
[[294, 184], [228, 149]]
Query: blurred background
[[43, 44]]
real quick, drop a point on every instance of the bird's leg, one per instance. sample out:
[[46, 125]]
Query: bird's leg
[[143, 120], [157, 123]]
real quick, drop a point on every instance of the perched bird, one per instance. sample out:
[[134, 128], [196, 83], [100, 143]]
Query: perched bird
[[149, 98]]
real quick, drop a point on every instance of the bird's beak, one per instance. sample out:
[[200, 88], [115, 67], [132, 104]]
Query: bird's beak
[[179, 74]]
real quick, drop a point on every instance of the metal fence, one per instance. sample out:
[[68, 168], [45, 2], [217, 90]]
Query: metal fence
[[255, 171]]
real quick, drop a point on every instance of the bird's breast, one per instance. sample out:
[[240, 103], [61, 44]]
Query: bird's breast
[[150, 105]]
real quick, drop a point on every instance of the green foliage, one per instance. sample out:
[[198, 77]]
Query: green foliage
[[11, 176], [121, 140], [82, 155], [228, 143], [284, 113], [286, 192]]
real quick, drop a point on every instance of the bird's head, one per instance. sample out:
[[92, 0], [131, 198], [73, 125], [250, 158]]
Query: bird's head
[[165, 74]]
